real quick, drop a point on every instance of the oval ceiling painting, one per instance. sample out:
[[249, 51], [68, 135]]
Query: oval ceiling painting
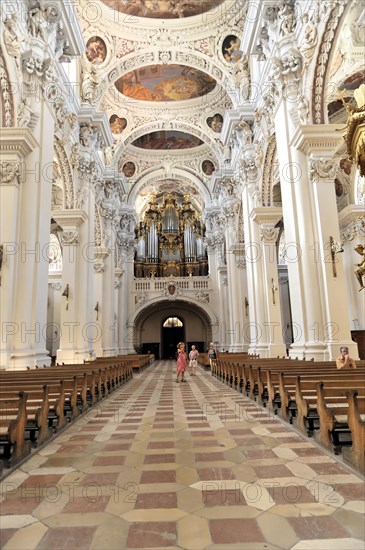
[[163, 9], [167, 140], [165, 83]]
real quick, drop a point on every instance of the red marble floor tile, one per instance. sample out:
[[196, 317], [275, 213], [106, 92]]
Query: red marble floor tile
[[208, 474], [156, 500], [163, 425], [67, 539], [220, 496], [319, 527], [45, 481], [109, 461], [82, 438], [133, 420], [5, 536], [198, 425], [290, 494], [86, 504], [209, 457], [100, 480], [168, 476], [326, 468], [159, 459], [308, 451], [160, 444], [249, 442], [89, 428], [130, 427], [72, 449], [206, 443], [122, 437], [152, 535], [23, 504], [272, 471], [253, 454], [112, 447], [232, 531], [351, 491], [200, 433]]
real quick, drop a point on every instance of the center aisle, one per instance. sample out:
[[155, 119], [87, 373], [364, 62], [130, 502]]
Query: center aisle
[[190, 466]]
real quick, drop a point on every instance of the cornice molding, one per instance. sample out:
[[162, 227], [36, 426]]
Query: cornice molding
[[266, 215], [17, 140], [321, 139]]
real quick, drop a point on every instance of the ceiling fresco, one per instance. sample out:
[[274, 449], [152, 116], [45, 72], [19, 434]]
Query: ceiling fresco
[[169, 139], [163, 9], [165, 83]]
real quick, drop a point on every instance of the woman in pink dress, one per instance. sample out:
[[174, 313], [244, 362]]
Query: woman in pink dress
[[182, 361]]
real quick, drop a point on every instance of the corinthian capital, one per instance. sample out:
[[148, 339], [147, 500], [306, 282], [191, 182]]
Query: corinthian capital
[[322, 169], [269, 234], [9, 173], [68, 238]]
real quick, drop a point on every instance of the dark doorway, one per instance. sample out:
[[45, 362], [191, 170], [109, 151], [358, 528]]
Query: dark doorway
[[170, 339], [153, 348]]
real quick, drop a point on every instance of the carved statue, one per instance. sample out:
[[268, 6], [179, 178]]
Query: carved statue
[[286, 19], [36, 22], [310, 39], [25, 113], [359, 273], [90, 82], [12, 41]]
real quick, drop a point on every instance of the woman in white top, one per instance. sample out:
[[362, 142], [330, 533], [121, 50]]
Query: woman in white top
[[193, 356]]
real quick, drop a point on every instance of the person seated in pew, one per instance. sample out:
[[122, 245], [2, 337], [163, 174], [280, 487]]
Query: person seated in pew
[[344, 361]]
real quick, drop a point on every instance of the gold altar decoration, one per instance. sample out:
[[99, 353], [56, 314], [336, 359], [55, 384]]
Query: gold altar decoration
[[355, 129]]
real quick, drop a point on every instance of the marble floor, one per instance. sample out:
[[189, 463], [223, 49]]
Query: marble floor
[[182, 466]]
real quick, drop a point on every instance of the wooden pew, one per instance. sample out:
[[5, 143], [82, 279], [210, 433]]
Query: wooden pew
[[355, 455], [12, 427], [335, 419]]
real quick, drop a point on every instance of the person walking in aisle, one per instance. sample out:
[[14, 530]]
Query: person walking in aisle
[[193, 356], [182, 362]]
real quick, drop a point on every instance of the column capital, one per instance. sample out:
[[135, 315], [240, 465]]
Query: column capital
[[267, 215], [69, 218], [319, 140], [352, 222]]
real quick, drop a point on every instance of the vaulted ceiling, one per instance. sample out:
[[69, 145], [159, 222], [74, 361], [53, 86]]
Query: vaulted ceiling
[[167, 72]]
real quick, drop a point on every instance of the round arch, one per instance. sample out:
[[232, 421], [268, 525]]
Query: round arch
[[177, 126], [66, 174], [176, 173], [199, 323]]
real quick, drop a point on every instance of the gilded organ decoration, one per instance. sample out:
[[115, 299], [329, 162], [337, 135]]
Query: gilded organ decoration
[[170, 239]]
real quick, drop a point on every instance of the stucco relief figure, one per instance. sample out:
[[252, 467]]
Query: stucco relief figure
[[286, 19], [90, 82], [25, 113], [310, 40], [360, 272], [12, 40], [36, 22]]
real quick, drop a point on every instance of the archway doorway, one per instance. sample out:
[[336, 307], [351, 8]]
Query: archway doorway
[[151, 335], [173, 332]]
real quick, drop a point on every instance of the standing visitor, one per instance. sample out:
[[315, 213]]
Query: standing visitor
[[193, 356], [182, 362]]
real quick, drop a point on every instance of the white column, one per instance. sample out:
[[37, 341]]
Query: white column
[[70, 221], [100, 255], [255, 285], [267, 218], [15, 145], [300, 244], [119, 300], [319, 143], [33, 237]]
